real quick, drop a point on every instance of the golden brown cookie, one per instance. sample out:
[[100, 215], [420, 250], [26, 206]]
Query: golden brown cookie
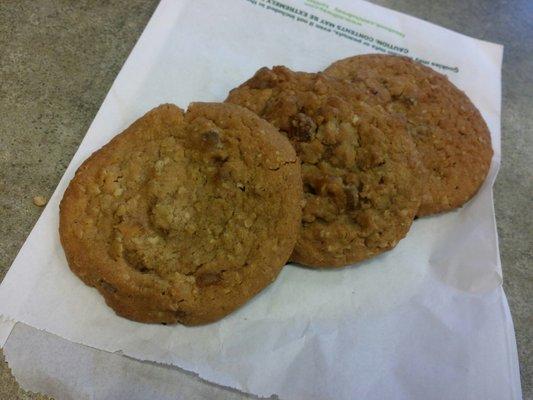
[[449, 132], [359, 165], [184, 216]]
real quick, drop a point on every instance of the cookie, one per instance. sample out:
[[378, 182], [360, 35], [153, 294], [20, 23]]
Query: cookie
[[184, 216], [359, 165], [449, 132]]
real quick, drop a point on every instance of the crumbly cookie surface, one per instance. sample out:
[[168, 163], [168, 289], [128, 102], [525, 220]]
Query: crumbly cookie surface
[[359, 166], [449, 132], [184, 216]]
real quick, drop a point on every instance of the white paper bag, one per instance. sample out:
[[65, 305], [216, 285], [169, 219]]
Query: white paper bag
[[426, 320]]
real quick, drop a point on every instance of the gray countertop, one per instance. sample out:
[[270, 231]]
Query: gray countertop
[[59, 58]]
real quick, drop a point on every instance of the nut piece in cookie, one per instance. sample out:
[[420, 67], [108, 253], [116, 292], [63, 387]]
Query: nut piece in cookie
[[184, 216], [449, 132], [359, 166]]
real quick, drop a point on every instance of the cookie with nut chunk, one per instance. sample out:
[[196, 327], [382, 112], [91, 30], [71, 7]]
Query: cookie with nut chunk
[[184, 216], [449, 132], [359, 166]]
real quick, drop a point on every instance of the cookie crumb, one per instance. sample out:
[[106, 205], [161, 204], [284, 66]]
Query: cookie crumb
[[40, 201]]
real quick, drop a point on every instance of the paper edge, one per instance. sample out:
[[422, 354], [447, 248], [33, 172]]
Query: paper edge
[[6, 327], [121, 353], [513, 368]]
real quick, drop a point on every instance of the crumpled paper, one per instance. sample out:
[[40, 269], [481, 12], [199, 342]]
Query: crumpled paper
[[428, 319]]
